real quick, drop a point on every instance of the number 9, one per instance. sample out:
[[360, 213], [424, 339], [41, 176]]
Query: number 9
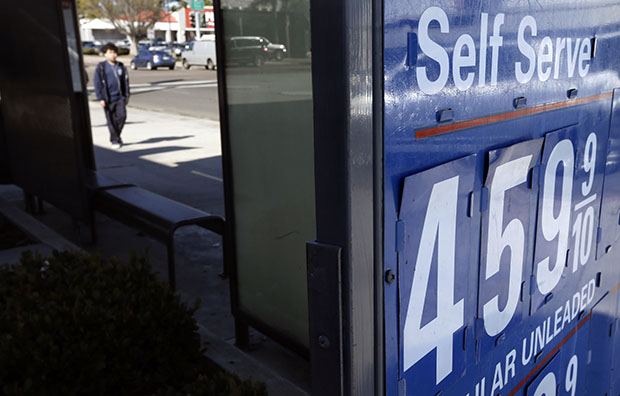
[[548, 275], [589, 163], [571, 376]]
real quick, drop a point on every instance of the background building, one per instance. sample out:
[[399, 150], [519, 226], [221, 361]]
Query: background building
[[176, 26]]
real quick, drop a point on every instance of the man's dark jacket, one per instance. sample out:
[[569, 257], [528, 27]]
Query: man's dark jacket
[[101, 84]]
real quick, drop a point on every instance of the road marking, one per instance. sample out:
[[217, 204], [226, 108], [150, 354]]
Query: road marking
[[296, 93], [145, 89], [173, 83], [207, 176], [170, 84]]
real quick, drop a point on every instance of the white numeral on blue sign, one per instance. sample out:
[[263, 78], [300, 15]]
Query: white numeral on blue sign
[[570, 384], [589, 162], [547, 386], [552, 227], [439, 229], [507, 176], [583, 229]]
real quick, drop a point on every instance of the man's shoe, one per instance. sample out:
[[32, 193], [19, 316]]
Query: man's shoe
[[116, 145]]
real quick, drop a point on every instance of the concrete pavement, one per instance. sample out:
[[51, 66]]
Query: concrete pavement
[[172, 155]]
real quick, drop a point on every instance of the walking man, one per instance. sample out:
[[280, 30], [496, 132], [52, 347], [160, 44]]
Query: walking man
[[112, 89]]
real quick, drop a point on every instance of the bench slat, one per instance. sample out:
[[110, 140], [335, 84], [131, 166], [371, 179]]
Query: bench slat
[[164, 208]]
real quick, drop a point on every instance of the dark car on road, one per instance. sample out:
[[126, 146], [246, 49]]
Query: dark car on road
[[152, 60], [247, 49], [275, 51]]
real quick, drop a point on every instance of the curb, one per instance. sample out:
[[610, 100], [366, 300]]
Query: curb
[[231, 359]]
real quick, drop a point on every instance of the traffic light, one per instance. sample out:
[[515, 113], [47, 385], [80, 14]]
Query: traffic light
[[192, 19], [203, 20]]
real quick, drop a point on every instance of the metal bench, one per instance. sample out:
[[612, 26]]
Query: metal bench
[[158, 216]]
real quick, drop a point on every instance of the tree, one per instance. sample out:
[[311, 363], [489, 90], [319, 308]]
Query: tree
[[88, 9], [130, 17]]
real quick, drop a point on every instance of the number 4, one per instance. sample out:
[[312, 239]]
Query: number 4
[[439, 226]]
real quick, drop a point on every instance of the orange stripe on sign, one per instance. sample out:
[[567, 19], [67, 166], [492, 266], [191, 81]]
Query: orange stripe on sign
[[506, 116], [615, 290], [539, 365]]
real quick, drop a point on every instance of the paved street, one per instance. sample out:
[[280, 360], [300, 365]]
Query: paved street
[[194, 92], [190, 92]]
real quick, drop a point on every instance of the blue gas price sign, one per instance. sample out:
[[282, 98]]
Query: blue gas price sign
[[501, 214]]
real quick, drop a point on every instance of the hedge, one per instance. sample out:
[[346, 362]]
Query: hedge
[[72, 324]]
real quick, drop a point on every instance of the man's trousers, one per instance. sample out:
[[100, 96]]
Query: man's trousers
[[115, 114]]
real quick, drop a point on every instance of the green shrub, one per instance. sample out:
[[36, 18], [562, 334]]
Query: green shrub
[[73, 324]]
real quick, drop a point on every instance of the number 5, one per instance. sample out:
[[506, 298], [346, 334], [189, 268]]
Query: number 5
[[507, 176]]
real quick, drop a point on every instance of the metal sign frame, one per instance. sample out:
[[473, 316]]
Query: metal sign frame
[[347, 77], [31, 164]]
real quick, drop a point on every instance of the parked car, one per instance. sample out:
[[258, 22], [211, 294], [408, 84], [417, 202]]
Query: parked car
[[123, 44], [200, 53], [121, 50], [152, 60], [96, 48], [89, 48], [247, 49], [150, 44]]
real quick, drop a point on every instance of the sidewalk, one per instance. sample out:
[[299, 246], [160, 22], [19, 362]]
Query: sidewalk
[[175, 156], [180, 157]]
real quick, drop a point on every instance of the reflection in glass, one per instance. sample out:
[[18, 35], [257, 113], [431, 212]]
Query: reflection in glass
[[269, 94]]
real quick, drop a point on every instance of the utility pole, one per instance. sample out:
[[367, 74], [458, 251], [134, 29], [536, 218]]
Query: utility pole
[[197, 25], [169, 26]]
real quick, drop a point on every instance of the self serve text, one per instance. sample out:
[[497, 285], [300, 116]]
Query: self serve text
[[467, 63]]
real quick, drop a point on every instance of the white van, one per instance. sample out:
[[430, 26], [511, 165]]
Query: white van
[[200, 53]]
